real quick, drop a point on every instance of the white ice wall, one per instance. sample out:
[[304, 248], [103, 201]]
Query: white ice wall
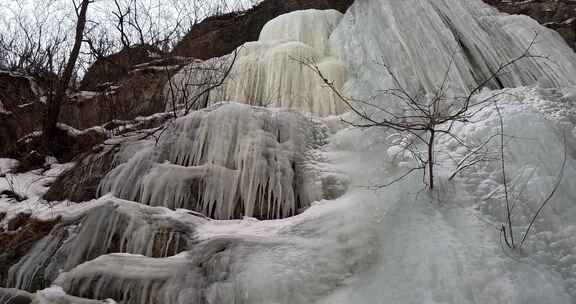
[[227, 161], [270, 72], [417, 40]]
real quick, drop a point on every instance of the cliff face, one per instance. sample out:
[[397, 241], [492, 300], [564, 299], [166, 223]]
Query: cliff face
[[117, 66], [220, 35], [20, 107], [559, 15], [129, 84]]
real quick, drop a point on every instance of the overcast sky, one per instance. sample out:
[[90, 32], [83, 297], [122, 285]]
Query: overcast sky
[[49, 18]]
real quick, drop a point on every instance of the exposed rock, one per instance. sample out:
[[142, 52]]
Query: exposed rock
[[20, 108], [559, 15], [109, 226], [138, 93], [15, 244], [113, 68], [17, 89], [80, 183], [67, 144], [18, 221], [220, 35]]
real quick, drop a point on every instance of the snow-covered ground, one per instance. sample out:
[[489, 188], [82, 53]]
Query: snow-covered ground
[[28, 187]]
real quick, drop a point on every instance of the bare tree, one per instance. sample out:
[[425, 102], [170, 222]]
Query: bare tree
[[55, 99], [197, 82], [423, 116], [507, 230], [30, 41]]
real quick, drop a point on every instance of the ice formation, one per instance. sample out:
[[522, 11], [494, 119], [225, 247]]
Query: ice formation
[[420, 40], [92, 229], [228, 161], [396, 244], [272, 71]]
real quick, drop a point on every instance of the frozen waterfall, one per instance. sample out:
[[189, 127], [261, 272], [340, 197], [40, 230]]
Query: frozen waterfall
[[271, 71], [228, 161], [421, 40], [90, 230], [261, 195]]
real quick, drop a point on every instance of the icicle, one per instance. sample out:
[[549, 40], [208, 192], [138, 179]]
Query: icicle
[[228, 161], [111, 225], [271, 72]]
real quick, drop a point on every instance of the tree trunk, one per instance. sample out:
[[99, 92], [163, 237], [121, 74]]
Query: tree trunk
[[431, 159], [54, 103]]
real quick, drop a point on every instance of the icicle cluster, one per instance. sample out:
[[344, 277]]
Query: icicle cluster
[[228, 161], [270, 72], [107, 226]]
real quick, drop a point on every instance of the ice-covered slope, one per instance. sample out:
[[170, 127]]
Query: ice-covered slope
[[92, 229], [393, 244], [447, 248]]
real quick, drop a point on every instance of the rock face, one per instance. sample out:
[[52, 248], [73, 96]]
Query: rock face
[[220, 35], [20, 237], [113, 68], [20, 108], [137, 93], [559, 15]]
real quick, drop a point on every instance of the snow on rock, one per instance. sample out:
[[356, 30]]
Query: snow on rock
[[228, 161], [55, 295], [270, 72], [28, 185]]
